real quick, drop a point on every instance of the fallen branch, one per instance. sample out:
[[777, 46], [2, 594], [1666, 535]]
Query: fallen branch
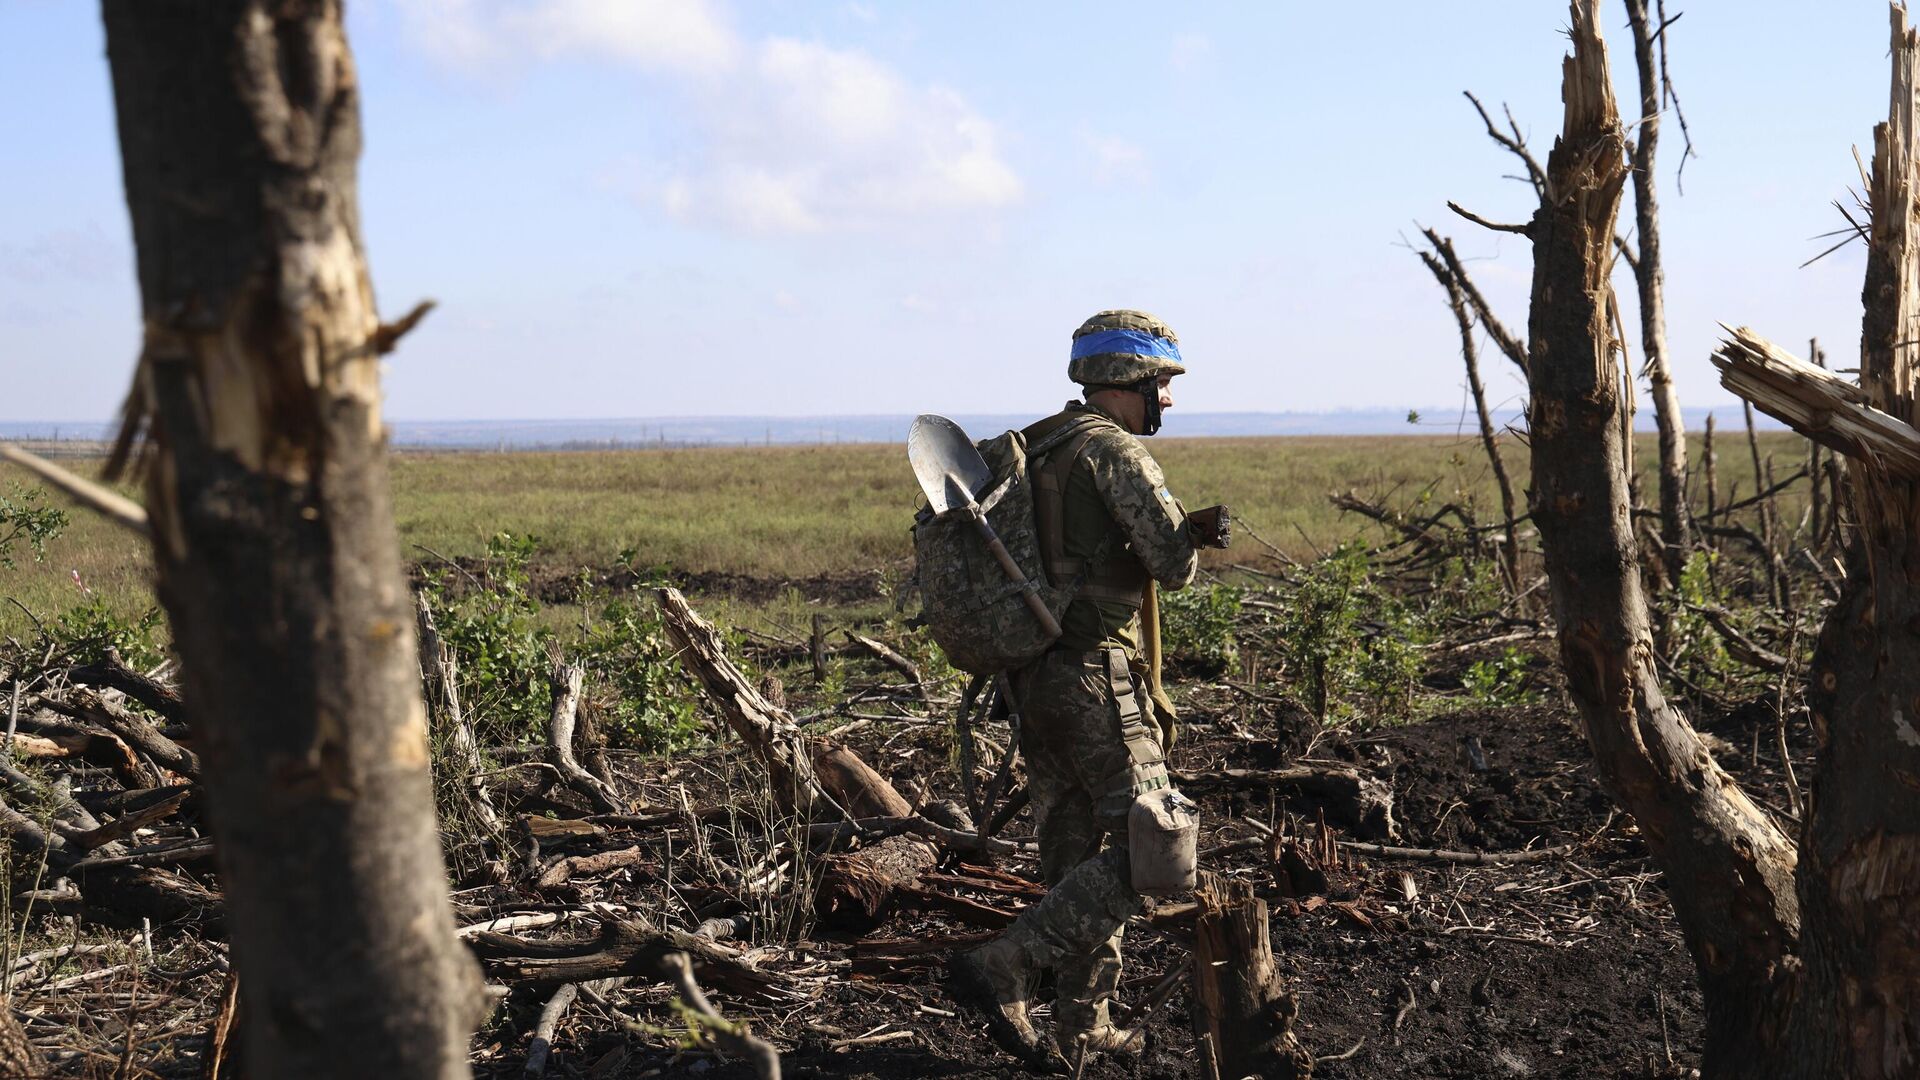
[[1468, 858], [135, 731], [542, 1045], [629, 946], [1815, 402], [1368, 801], [1740, 646], [565, 681], [732, 1036], [114, 507], [112, 673]]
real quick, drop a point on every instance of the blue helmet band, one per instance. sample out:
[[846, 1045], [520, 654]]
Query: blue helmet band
[[1125, 343]]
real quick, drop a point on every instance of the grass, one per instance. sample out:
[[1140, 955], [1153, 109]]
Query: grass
[[788, 513]]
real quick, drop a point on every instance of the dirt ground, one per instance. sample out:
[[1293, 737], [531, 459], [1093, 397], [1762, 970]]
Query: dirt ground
[[1568, 965], [1563, 967]]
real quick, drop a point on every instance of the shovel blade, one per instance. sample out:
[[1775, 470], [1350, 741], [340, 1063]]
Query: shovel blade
[[950, 470]]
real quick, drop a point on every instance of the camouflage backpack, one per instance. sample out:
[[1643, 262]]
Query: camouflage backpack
[[974, 612]]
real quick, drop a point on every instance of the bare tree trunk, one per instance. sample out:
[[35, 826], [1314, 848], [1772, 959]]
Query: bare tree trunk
[[1242, 1014], [1729, 869], [274, 542], [1457, 301], [1650, 276], [1860, 855]]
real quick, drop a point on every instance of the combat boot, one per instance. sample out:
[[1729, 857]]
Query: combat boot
[[1076, 1022], [993, 979]]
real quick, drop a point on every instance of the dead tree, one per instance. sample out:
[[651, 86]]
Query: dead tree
[[1728, 867], [807, 775], [1848, 1001], [1489, 438], [1650, 278], [1242, 1015], [256, 415]]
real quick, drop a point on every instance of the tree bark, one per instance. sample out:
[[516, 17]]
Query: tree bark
[[1242, 1015], [1728, 868], [1650, 277], [1859, 1006], [274, 544]]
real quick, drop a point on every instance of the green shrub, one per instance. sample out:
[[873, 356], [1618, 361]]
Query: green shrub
[[88, 629], [491, 627], [627, 649], [1505, 680], [23, 520], [1348, 641], [1198, 624]]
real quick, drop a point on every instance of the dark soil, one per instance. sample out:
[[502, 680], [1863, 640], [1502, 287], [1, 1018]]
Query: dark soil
[[1568, 967]]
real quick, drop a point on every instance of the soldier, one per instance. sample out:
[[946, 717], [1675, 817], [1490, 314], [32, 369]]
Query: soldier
[[1096, 723]]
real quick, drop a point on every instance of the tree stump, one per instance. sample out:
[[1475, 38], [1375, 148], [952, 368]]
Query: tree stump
[[1242, 1016]]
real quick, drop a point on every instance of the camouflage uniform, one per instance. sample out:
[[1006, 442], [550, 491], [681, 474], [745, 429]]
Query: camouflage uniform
[[1107, 522], [1089, 733]]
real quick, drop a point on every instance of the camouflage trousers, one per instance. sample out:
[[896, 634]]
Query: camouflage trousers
[[1091, 747]]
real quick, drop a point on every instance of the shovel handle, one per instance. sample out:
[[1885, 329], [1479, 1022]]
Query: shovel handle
[[1028, 591]]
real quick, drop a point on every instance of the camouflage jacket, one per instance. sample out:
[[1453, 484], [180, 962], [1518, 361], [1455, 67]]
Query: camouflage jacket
[[1116, 497]]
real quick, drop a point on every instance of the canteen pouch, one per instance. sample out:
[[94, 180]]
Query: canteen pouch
[[1163, 834]]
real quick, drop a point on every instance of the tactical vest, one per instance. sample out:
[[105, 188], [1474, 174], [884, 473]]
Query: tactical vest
[[1116, 576]]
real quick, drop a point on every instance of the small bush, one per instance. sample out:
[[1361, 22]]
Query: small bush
[[626, 649], [23, 520], [1505, 680], [1198, 625], [1350, 642], [495, 636]]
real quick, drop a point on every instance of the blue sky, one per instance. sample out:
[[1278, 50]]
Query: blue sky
[[699, 207]]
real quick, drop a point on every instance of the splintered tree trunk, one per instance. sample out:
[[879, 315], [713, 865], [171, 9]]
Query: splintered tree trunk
[[1850, 1005], [1650, 276], [1242, 1015], [1728, 868], [1860, 855], [273, 537], [807, 775]]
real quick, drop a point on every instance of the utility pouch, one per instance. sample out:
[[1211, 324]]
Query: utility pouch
[[1146, 768]]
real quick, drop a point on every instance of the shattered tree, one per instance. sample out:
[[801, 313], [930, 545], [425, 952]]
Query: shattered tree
[[1728, 867], [273, 537], [1808, 960], [1856, 988]]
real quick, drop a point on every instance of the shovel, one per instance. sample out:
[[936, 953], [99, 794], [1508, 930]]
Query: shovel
[[953, 476]]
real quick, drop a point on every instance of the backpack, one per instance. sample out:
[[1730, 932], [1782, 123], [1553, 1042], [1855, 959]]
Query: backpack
[[975, 613]]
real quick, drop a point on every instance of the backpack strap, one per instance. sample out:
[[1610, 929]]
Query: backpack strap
[[1057, 453]]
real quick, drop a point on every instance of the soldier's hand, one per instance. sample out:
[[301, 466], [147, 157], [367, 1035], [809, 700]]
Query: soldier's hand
[[1212, 527]]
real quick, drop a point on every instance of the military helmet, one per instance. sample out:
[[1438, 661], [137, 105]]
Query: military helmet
[[1121, 348]]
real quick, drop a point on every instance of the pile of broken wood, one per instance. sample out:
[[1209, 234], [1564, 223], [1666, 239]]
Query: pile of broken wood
[[775, 865]]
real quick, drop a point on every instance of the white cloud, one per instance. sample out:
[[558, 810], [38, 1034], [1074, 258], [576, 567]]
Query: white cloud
[[1116, 159], [811, 138], [785, 300], [798, 137], [1189, 51], [654, 35], [685, 36]]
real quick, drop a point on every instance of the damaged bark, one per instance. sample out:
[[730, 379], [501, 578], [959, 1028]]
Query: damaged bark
[[1242, 1015], [1729, 868], [1848, 1004], [255, 414]]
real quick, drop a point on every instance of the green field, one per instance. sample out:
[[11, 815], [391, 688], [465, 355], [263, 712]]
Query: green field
[[790, 513]]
